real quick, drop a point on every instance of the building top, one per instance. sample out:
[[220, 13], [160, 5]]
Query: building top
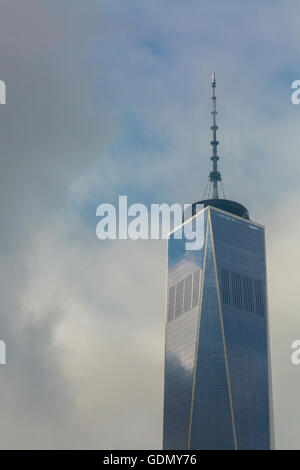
[[226, 205]]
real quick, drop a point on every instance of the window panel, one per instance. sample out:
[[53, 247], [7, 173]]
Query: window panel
[[196, 282], [187, 293], [226, 295], [171, 303], [179, 299]]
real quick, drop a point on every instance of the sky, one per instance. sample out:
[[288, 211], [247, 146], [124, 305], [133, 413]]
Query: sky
[[109, 98]]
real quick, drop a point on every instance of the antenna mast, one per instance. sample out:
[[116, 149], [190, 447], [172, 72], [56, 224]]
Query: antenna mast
[[214, 175]]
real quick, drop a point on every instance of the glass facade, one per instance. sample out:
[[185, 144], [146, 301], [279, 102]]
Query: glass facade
[[184, 278], [217, 373]]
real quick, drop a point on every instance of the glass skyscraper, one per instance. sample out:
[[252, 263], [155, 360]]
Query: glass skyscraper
[[217, 361]]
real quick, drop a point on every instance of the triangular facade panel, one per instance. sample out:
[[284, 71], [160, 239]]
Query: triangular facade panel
[[211, 417]]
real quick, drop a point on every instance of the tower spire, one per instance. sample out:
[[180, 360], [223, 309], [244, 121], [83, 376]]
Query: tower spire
[[214, 175]]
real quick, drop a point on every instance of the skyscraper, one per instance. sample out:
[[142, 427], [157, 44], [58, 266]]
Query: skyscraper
[[217, 391]]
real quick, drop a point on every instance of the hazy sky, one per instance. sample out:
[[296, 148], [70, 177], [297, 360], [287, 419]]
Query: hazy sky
[[112, 97]]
